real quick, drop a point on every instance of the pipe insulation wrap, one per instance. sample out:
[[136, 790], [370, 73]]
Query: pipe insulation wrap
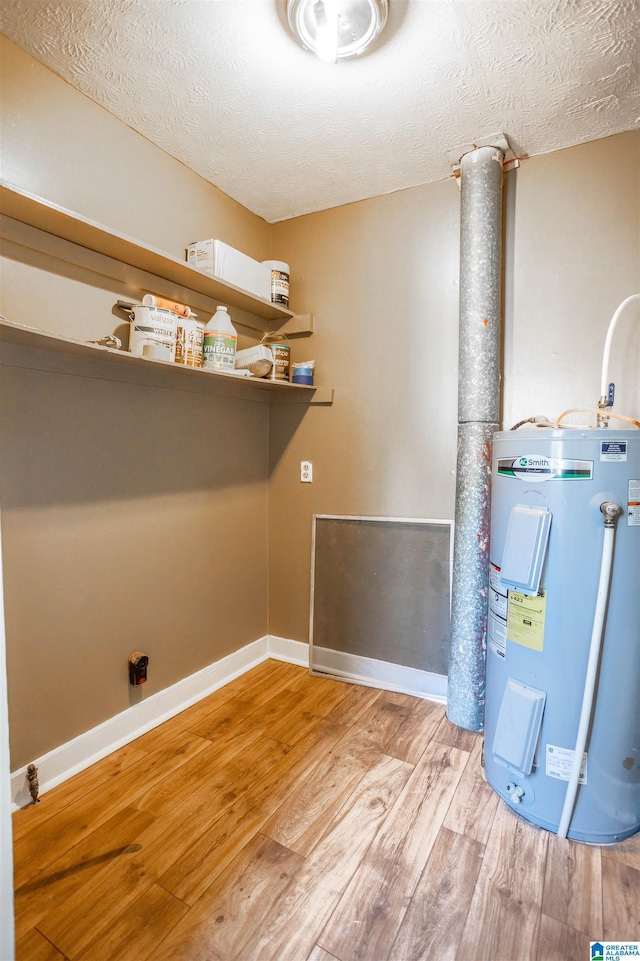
[[466, 683], [480, 286], [478, 415]]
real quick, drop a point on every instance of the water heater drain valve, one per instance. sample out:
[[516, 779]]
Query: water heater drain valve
[[515, 792]]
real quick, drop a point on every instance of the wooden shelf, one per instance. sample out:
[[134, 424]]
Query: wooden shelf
[[36, 212], [167, 374]]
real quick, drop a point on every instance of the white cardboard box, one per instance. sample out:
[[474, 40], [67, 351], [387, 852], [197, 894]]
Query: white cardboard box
[[232, 266], [258, 359]]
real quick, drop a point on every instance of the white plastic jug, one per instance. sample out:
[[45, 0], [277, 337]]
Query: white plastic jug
[[220, 341]]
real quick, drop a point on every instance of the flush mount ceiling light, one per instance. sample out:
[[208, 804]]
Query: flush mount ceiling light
[[336, 29]]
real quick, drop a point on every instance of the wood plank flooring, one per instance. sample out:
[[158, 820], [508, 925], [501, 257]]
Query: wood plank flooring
[[294, 818]]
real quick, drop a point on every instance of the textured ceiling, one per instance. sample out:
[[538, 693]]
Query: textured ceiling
[[220, 85]]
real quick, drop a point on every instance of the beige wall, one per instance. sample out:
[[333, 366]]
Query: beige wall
[[109, 487], [60, 145], [134, 517], [572, 256], [381, 277]]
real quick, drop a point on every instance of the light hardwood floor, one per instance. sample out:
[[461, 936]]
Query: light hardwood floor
[[294, 818]]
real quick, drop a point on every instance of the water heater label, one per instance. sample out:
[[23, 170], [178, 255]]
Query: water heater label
[[559, 761], [525, 619], [497, 635], [497, 621], [535, 468], [633, 507], [615, 450], [497, 593]]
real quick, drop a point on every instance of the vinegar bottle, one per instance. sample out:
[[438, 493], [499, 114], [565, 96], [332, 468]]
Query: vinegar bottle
[[220, 340]]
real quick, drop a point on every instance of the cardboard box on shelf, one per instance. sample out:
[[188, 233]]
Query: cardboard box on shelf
[[231, 265]]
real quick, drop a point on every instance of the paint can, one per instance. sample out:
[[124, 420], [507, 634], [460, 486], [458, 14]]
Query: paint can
[[189, 341], [153, 332], [279, 281], [281, 362]]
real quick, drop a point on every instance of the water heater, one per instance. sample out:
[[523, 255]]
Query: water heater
[[549, 585]]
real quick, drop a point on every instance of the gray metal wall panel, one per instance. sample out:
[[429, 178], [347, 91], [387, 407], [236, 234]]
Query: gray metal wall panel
[[381, 590]]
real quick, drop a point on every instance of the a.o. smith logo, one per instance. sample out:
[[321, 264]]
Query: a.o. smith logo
[[537, 467], [534, 463]]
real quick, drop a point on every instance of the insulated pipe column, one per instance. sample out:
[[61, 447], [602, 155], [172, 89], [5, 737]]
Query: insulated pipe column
[[478, 415]]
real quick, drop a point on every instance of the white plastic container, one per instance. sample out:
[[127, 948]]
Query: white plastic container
[[220, 341], [153, 333], [279, 281]]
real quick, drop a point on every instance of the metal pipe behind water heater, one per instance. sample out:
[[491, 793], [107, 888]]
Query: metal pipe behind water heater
[[478, 415]]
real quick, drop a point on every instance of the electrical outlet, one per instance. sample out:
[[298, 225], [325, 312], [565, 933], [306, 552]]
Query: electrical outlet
[[306, 472]]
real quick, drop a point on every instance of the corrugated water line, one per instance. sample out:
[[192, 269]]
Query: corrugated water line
[[481, 175]]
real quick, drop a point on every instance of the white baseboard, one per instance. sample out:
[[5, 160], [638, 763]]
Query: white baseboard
[[284, 649], [381, 674], [68, 759]]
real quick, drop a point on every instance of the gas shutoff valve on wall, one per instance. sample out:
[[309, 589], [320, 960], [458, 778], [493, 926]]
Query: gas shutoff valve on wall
[[138, 663]]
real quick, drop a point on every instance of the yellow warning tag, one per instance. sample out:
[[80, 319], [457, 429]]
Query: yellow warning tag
[[525, 619]]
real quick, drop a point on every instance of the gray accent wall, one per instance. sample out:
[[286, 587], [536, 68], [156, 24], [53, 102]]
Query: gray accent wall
[[381, 590]]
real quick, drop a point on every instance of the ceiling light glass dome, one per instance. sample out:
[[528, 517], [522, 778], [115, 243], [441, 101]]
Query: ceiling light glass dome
[[336, 29]]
